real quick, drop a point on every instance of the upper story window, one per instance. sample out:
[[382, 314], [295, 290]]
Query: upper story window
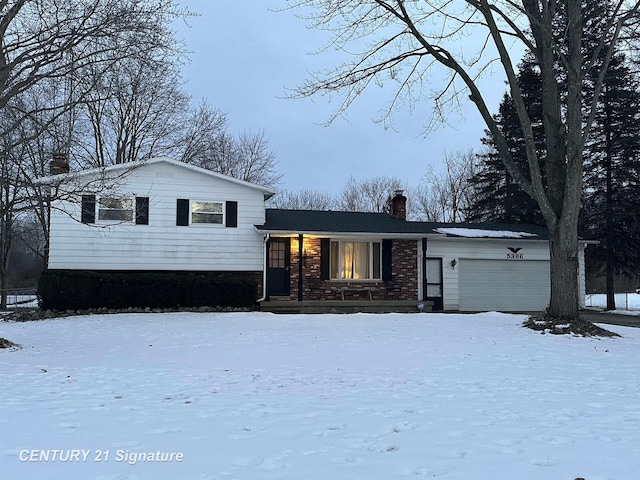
[[117, 209], [356, 260], [207, 212]]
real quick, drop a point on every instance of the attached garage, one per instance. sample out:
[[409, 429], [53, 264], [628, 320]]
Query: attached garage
[[503, 285]]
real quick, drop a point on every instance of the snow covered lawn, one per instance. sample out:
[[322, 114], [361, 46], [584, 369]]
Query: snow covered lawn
[[626, 303], [328, 397]]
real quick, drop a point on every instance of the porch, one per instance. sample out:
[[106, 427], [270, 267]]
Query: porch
[[345, 306]]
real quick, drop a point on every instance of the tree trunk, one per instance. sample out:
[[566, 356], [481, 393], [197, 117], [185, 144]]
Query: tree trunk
[[609, 221], [6, 232], [564, 165], [3, 291], [5, 246], [563, 246], [610, 286]]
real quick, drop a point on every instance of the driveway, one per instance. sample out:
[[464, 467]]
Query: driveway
[[598, 316]]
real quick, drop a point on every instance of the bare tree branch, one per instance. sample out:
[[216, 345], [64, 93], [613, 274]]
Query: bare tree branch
[[424, 38]]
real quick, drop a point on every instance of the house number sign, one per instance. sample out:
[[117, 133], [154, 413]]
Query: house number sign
[[514, 254]]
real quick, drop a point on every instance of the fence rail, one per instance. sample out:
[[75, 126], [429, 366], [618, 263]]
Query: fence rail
[[624, 301], [19, 297]]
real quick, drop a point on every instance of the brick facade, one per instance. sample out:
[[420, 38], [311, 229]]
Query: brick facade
[[402, 286]]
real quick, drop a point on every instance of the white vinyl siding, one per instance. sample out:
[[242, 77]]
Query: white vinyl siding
[[462, 249], [162, 245]]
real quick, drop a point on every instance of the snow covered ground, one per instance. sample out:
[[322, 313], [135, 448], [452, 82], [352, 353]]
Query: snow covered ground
[[626, 303], [258, 396]]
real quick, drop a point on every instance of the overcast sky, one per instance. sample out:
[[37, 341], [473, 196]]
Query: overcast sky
[[244, 56]]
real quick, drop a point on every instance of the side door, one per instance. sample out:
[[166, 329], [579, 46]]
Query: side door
[[433, 283], [278, 266]]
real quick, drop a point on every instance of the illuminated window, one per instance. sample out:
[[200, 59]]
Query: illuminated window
[[355, 260]]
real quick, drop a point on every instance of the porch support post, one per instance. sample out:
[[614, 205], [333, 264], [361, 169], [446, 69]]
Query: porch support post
[[300, 260], [424, 268], [265, 276]]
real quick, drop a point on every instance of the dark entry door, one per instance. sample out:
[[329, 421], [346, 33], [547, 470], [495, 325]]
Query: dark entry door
[[278, 267], [433, 283]]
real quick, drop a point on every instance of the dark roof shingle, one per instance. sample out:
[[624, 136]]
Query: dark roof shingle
[[314, 221]]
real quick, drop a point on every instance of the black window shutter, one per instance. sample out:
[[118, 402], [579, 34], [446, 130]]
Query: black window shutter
[[325, 258], [142, 210], [88, 214], [231, 214], [386, 259], [182, 212]]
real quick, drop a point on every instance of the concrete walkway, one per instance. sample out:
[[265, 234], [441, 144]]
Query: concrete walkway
[[599, 316]]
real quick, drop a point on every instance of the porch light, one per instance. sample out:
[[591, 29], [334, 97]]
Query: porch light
[[454, 262]]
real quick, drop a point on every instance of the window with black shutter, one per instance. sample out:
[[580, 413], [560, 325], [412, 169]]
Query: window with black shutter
[[88, 214], [182, 212], [325, 257], [142, 210], [231, 216], [387, 263]]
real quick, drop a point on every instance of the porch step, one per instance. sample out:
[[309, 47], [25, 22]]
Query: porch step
[[345, 306]]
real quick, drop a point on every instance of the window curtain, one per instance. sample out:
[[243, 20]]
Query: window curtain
[[355, 260]]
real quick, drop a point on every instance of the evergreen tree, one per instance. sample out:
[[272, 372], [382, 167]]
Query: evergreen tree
[[497, 196], [611, 202], [611, 199]]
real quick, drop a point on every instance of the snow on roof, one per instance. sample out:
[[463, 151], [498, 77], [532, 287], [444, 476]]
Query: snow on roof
[[481, 233]]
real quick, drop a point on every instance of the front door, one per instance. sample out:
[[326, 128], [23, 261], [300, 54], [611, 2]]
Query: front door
[[433, 283], [278, 267]]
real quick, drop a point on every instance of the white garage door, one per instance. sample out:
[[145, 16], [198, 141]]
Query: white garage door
[[504, 285]]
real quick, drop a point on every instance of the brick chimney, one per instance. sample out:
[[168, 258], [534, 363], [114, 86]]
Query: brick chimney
[[399, 205], [59, 164]]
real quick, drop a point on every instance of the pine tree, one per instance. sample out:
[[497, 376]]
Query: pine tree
[[611, 202], [498, 198]]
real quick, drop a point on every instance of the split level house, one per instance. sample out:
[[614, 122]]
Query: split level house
[[164, 215]]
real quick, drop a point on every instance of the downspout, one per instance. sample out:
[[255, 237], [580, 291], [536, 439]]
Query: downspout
[[300, 260], [264, 270]]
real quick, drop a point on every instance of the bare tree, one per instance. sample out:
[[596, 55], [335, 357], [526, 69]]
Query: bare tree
[[304, 200], [369, 195], [406, 42], [426, 203], [9, 201], [221, 153], [25, 262], [55, 56], [41, 134], [133, 113], [248, 157], [445, 194], [13, 197], [49, 39], [203, 124], [256, 162]]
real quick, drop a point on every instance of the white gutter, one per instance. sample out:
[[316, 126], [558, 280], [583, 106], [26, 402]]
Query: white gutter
[[264, 269], [339, 235]]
